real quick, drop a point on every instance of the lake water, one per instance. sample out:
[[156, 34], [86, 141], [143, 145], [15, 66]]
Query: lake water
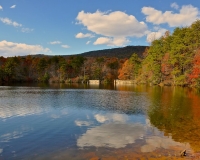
[[91, 122]]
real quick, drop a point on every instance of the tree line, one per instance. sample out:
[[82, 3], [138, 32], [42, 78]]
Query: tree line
[[58, 69]]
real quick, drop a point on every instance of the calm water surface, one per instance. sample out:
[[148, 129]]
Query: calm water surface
[[91, 122]]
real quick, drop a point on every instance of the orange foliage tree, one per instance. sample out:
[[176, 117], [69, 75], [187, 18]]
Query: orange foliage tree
[[195, 74]]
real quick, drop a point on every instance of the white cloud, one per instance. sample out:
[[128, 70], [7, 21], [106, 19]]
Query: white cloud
[[175, 5], [65, 46], [88, 42], [10, 22], [1, 8], [103, 40], [119, 41], [114, 26], [9, 49], [186, 16], [27, 30], [81, 35], [55, 42], [13, 6], [151, 36]]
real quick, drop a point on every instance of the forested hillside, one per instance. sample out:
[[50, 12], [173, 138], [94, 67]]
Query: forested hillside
[[173, 59], [123, 52]]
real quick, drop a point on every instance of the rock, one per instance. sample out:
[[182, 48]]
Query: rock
[[183, 153]]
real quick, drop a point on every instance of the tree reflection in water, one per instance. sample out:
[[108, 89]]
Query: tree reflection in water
[[177, 114]]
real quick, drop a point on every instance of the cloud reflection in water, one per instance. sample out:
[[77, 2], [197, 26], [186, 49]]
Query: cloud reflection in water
[[111, 118], [82, 123], [111, 135], [117, 131]]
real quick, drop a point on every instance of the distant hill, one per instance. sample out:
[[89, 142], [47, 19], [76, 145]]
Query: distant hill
[[123, 52]]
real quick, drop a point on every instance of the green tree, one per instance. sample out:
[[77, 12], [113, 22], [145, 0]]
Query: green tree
[[193, 36], [42, 68], [10, 67], [77, 62], [136, 62], [2, 74], [181, 55], [153, 60]]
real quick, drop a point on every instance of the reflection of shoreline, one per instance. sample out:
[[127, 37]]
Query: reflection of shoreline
[[172, 112]]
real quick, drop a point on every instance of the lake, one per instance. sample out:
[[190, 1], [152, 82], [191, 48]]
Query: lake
[[91, 122]]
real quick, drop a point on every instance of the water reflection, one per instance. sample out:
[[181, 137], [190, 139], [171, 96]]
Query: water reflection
[[111, 135], [175, 112], [23, 101], [7, 137], [111, 118], [83, 123], [154, 142], [114, 130], [119, 130], [90, 121]]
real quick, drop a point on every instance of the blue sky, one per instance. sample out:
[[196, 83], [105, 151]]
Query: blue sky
[[67, 27]]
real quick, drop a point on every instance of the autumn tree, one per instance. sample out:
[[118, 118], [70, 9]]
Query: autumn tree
[[113, 65], [62, 70], [195, 74], [126, 72]]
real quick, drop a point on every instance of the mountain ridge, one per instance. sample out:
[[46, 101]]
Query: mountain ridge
[[122, 52]]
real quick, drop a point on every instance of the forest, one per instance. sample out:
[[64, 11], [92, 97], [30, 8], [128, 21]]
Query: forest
[[173, 59]]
